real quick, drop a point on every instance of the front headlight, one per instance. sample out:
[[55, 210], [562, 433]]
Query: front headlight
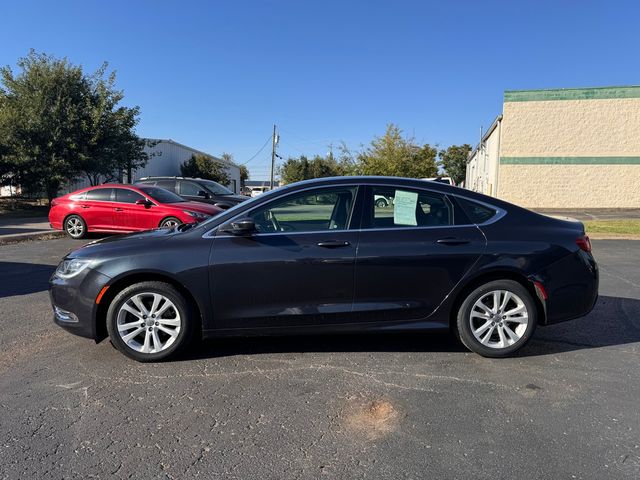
[[71, 267], [197, 215]]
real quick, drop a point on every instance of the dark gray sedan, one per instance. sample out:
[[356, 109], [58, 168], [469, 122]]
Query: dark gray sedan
[[324, 256]]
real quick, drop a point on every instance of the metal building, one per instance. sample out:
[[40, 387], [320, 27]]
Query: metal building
[[166, 156]]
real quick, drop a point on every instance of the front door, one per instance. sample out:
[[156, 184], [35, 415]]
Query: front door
[[412, 252], [295, 270], [129, 216]]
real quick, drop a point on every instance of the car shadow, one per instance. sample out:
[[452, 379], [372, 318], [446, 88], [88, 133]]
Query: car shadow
[[613, 321], [24, 278]]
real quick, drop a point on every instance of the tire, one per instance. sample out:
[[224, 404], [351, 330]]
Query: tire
[[381, 202], [170, 222], [487, 331], [173, 328], [75, 226]]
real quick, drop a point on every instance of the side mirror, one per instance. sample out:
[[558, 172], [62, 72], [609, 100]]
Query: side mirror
[[242, 226], [144, 202], [203, 194]]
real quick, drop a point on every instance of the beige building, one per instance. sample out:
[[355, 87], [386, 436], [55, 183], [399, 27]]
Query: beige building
[[564, 148]]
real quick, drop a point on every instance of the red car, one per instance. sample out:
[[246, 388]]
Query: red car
[[123, 208]]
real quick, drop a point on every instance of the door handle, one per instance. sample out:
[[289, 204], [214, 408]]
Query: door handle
[[84, 206], [118, 209], [453, 241], [333, 244]]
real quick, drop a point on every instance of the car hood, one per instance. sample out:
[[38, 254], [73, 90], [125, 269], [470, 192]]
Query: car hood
[[198, 207], [233, 198], [131, 241]]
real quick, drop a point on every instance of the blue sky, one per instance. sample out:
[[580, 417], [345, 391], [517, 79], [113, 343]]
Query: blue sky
[[218, 75]]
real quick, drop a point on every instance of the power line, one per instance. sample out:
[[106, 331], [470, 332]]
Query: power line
[[258, 152]]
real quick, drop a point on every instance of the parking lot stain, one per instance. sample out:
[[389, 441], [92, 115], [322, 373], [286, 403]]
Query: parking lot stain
[[374, 419]]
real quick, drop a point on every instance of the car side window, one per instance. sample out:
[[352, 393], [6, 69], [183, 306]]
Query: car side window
[[124, 195], [318, 210], [396, 207], [477, 213], [99, 194], [167, 185], [190, 189]]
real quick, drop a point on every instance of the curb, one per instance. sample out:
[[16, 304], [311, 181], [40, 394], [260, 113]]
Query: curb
[[32, 236]]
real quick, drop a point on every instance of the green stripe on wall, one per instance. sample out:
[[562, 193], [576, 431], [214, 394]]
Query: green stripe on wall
[[570, 160], [571, 94]]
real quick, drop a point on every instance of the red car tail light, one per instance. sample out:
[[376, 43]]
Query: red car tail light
[[54, 202], [584, 243]]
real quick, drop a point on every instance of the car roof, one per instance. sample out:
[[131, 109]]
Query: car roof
[[444, 188]]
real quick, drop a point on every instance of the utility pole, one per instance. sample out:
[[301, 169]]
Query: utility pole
[[274, 142]]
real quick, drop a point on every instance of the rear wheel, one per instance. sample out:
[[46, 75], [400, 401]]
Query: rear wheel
[[170, 222], [75, 226], [497, 318], [150, 321], [381, 203]]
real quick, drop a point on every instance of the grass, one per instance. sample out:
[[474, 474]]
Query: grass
[[622, 227]]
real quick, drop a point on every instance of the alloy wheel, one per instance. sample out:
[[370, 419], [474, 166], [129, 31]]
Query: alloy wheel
[[148, 322], [75, 228], [498, 319]]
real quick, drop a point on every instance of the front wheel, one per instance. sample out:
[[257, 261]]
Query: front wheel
[[497, 318], [150, 321], [170, 222]]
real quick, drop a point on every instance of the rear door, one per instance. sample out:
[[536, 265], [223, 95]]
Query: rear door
[[167, 185], [97, 209], [411, 253], [296, 270]]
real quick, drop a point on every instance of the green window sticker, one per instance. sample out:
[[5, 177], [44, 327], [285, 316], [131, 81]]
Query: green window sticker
[[404, 209]]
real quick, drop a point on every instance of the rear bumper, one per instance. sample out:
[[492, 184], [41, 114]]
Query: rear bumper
[[572, 287], [73, 302]]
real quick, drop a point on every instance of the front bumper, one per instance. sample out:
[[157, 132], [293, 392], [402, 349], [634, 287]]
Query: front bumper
[[74, 301]]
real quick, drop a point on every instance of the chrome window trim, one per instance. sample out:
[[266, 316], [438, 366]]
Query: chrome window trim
[[500, 213]]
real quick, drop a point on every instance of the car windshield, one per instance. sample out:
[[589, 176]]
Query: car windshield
[[215, 187], [161, 195]]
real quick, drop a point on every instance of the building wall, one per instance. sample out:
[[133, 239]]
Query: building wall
[[170, 155], [571, 148], [482, 168], [167, 156]]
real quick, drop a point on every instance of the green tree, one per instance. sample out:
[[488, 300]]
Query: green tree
[[244, 174], [453, 160], [203, 166], [301, 168], [57, 123], [397, 156]]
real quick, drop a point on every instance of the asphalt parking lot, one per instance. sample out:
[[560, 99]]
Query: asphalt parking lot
[[400, 406]]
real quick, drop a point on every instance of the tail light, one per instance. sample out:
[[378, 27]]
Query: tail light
[[54, 202], [584, 243]]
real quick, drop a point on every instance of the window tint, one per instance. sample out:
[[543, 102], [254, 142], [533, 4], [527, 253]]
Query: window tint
[[322, 209], [477, 213], [127, 196], [161, 195], [167, 184], [399, 207], [216, 188], [99, 194], [190, 189]]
